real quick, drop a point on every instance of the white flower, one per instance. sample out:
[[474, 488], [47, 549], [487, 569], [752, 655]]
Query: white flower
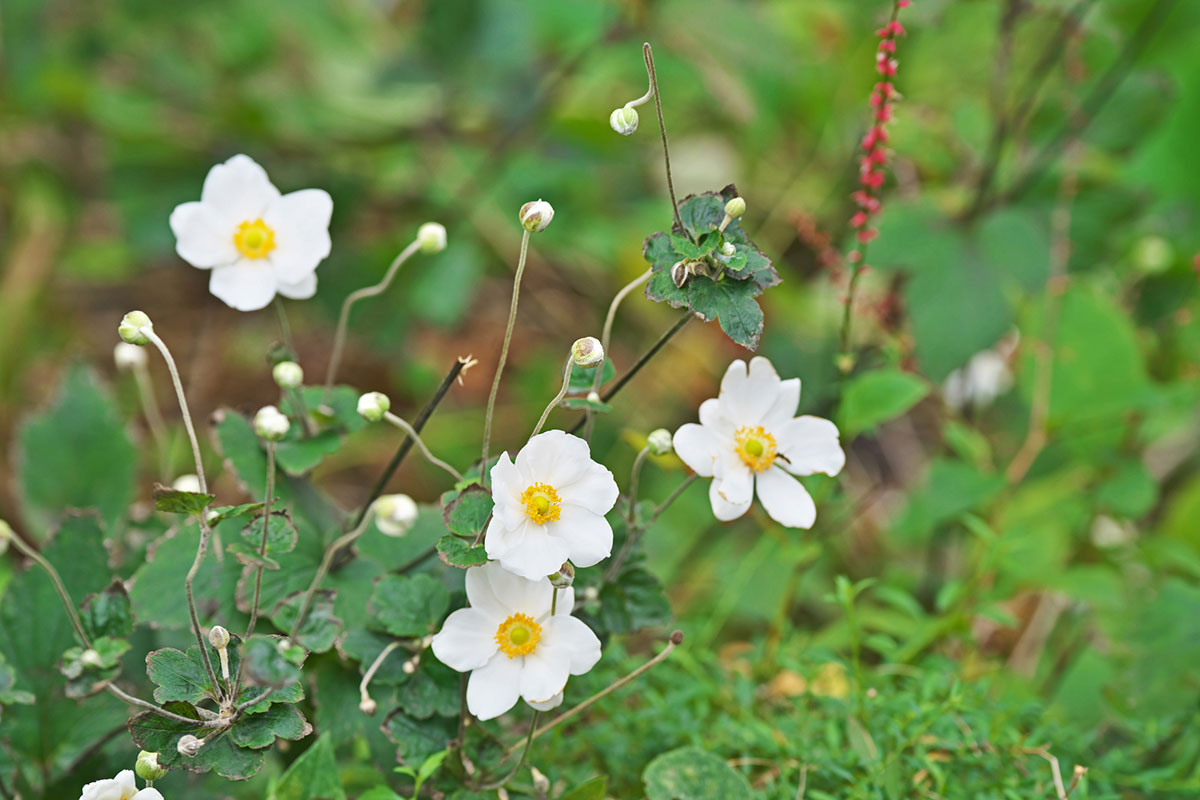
[[256, 241], [749, 439], [512, 645], [982, 379], [550, 507], [536, 216], [186, 483], [395, 514], [122, 787], [271, 424]]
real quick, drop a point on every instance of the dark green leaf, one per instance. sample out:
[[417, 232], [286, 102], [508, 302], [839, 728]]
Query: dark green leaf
[[312, 776], [108, 613], [173, 501], [594, 789], [433, 689], [409, 605], [581, 380], [732, 304], [161, 735], [300, 455], [690, 773], [416, 740], [229, 512], [458, 552], [320, 627], [878, 396], [281, 533], [467, 510], [180, 676], [260, 730], [266, 664], [364, 646]]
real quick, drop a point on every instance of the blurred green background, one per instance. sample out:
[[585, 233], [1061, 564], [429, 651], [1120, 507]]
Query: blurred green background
[[1074, 589]]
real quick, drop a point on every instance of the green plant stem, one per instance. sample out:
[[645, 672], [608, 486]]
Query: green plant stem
[[512, 319], [254, 701], [154, 419], [59, 587], [847, 310], [363, 685], [183, 406], [262, 546], [554, 602], [285, 329], [648, 55], [162, 712], [425, 451], [528, 742], [343, 541], [201, 549], [566, 381], [339, 337], [606, 336]]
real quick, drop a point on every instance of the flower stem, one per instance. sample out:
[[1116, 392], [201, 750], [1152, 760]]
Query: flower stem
[[201, 549], [566, 381], [162, 712], [363, 694], [285, 330], [512, 318], [496, 784], [262, 546], [323, 570], [634, 534], [339, 338], [154, 419], [648, 55], [183, 406], [606, 336], [632, 531], [59, 587], [425, 451]]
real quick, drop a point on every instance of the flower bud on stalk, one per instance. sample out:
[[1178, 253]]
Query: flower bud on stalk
[[736, 207], [148, 768], [564, 577], [587, 352], [218, 637], [373, 405], [368, 706], [624, 120], [90, 658], [660, 442], [536, 216], [288, 374], [131, 326], [271, 424], [189, 746], [432, 237], [395, 514], [128, 357]]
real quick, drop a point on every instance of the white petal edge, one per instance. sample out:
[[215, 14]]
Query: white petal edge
[[587, 536], [501, 592], [552, 703], [300, 221], [244, 285], [595, 489], [467, 639], [494, 688], [785, 500], [202, 237], [723, 508], [544, 674], [238, 190], [810, 444], [698, 446], [574, 638]]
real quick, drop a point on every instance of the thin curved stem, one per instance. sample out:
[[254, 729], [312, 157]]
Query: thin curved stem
[[606, 337], [183, 406], [59, 587], [323, 570], [154, 419], [425, 451], [339, 338], [632, 531], [512, 319], [253, 701], [262, 546], [648, 55], [566, 381], [162, 712], [201, 549], [496, 784], [371, 670]]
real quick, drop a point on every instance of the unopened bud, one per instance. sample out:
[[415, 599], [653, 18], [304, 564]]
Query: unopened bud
[[288, 374], [587, 352], [728, 250], [147, 766], [536, 216], [90, 658], [218, 637], [6, 533], [128, 356], [410, 666], [188, 745], [373, 405], [590, 594], [432, 237], [679, 274], [564, 577], [660, 442], [368, 706], [271, 424], [735, 207], [594, 397], [131, 326], [624, 120], [186, 483], [541, 783], [395, 514]]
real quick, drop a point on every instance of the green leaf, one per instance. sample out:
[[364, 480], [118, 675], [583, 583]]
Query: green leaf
[[180, 676], [379, 793], [8, 694], [457, 552], [312, 776], [173, 501], [433, 689], [878, 396], [594, 789], [581, 380], [633, 601], [364, 646], [220, 754], [75, 454], [416, 740], [265, 664], [108, 613], [732, 304], [85, 678], [466, 511], [260, 730], [582, 403], [229, 512], [301, 455], [321, 626], [281, 533], [690, 773], [409, 605]]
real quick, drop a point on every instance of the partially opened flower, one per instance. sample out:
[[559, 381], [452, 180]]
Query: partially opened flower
[[550, 507], [749, 439], [512, 645], [122, 787], [256, 241]]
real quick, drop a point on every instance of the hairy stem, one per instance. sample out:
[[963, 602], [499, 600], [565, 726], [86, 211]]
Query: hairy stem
[[606, 337], [512, 319], [648, 55], [183, 406], [566, 381], [262, 546], [425, 451], [162, 712], [363, 693]]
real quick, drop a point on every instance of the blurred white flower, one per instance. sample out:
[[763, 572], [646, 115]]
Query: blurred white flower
[[512, 645], [186, 483], [122, 787], [256, 241], [128, 356], [749, 439], [395, 514], [982, 379], [550, 507]]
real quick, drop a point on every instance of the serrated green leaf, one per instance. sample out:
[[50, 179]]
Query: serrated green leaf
[[301, 455], [433, 689], [321, 626], [281, 533], [465, 511], [878, 396], [690, 773], [594, 789], [364, 646], [264, 664], [732, 304], [108, 613], [633, 601], [581, 380], [415, 739], [181, 676], [173, 501], [312, 776], [409, 605], [458, 552], [281, 721], [229, 512], [219, 753]]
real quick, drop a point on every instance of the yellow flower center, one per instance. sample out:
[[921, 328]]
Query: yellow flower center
[[755, 447], [518, 635], [542, 503], [254, 239]]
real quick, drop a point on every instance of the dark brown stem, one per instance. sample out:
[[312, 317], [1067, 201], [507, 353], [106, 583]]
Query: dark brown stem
[[662, 127]]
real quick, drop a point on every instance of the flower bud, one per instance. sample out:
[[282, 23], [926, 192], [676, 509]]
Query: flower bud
[[660, 442], [541, 783], [679, 274], [288, 374], [368, 706], [90, 658], [147, 766], [564, 577], [128, 356], [189, 745], [131, 326], [218, 637], [587, 352], [536, 216], [395, 514], [624, 120], [271, 424], [735, 207], [590, 594], [728, 250], [186, 483], [432, 237], [594, 397], [410, 666], [6, 533], [373, 405]]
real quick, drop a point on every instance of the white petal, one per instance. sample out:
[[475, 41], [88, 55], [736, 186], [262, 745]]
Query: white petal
[[553, 702], [786, 501], [572, 637], [725, 507], [787, 399], [747, 394], [500, 538], [712, 416], [495, 687], [300, 221], [239, 190], [536, 556], [554, 457], [698, 447], [203, 238], [587, 536], [507, 485], [107, 789], [497, 590], [810, 444], [544, 674], [148, 794], [595, 489], [126, 781], [246, 285], [301, 290], [467, 639]]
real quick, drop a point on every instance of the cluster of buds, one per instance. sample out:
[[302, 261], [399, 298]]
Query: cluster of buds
[[874, 144]]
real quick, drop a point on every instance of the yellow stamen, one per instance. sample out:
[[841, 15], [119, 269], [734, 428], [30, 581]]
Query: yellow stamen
[[755, 447], [518, 635], [254, 239], [542, 503]]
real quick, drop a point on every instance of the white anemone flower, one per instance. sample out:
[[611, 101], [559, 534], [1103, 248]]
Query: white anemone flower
[[256, 241], [511, 643], [122, 787], [749, 439], [550, 507]]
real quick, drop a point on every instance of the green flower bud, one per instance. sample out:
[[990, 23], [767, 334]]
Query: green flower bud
[[536, 216], [288, 374], [131, 326], [373, 405], [735, 207], [660, 442], [624, 120], [271, 424], [147, 766], [432, 237], [587, 352]]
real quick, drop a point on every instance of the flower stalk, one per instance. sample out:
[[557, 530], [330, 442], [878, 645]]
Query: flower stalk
[[425, 451], [512, 319]]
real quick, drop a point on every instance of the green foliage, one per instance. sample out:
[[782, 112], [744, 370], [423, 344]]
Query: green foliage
[[320, 627], [409, 606], [876, 397], [173, 501], [312, 776], [691, 773]]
